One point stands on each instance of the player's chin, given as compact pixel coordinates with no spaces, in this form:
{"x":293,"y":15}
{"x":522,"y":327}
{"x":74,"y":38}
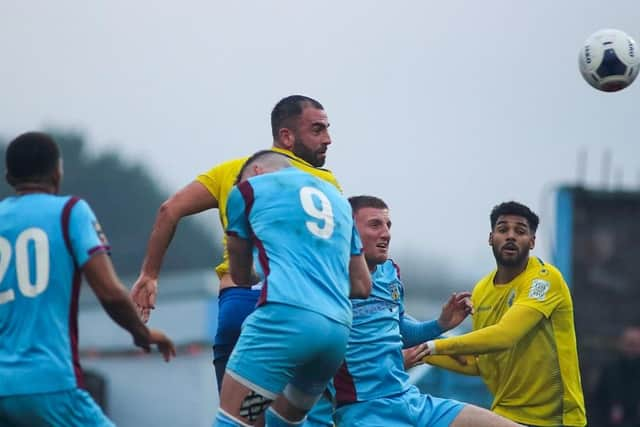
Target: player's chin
{"x":382,"y":256}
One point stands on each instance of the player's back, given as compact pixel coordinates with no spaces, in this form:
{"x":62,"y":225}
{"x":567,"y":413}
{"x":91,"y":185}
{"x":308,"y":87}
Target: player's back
{"x":374,"y":366}
{"x":303,"y":229}
{"x":39,"y":287}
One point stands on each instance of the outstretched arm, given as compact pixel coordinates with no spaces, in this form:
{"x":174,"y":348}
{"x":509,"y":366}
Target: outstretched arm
{"x":515,"y":324}
{"x":193,"y":198}
{"x":466,"y":365}
{"x":454,"y":311}
{"x":116,"y":302}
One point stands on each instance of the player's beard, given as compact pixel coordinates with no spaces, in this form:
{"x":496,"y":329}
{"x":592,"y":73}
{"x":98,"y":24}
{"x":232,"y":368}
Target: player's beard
{"x":306,"y":154}
{"x":510,"y":262}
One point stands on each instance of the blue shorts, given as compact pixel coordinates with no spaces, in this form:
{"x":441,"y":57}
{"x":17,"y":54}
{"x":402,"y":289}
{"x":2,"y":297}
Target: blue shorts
{"x":234,"y":305}
{"x":321,"y":415}
{"x":286,"y":346}
{"x":69,"y":408}
{"x":408,"y":409}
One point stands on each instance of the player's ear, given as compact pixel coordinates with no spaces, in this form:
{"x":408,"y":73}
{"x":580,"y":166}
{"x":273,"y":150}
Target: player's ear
{"x":532,"y":242}
{"x":286,"y":137}
{"x":491,"y":238}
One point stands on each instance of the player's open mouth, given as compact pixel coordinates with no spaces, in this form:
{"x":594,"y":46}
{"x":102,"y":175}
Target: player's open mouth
{"x":510,"y":249}
{"x":382,"y":245}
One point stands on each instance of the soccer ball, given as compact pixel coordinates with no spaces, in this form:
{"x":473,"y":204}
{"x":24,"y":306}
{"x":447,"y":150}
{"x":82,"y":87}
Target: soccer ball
{"x":609,"y":60}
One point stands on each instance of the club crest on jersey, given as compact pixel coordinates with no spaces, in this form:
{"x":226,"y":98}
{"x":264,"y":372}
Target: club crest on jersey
{"x":394,"y":290}
{"x":512,"y":296}
{"x":103,"y":237}
{"x":539,"y":289}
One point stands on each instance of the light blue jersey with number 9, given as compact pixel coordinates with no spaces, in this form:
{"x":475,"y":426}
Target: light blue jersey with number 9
{"x":44,"y":241}
{"x":303,"y":230}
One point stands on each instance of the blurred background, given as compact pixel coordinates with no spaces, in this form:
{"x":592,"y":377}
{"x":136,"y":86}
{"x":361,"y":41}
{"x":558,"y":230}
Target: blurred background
{"x":443,"y":110}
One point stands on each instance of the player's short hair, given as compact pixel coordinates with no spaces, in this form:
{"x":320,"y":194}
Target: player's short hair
{"x":514,"y":208}
{"x":259,"y":156}
{"x":288,"y":109}
{"x":31,"y":157}
{"x":359,"y":202}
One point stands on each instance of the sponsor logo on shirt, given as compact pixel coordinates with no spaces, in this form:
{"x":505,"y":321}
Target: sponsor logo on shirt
{"x":539,"y":289}
{"x":394,"y":290}
{"x":103,"y":237}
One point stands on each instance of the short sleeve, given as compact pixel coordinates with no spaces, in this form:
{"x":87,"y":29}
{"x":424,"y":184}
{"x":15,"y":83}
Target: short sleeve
{"x":85,"y":233}
{"x":237,"y":215}
{"x":543,"y":293}
{"x":356,"y":243}
{"x":216,"y":178}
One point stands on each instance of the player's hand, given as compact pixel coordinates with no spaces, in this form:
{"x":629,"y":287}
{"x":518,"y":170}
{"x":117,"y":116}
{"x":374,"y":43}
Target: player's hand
{"x":165,"y":345}
{"x":144,"y":293}
{"x":413,"y":356}
{"x":455,"y":310}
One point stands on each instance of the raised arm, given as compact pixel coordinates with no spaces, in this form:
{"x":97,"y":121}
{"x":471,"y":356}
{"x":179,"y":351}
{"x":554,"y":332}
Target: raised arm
{"x":193,"y":198}
{"x":115,"y":300}
{"x":360,"y":277}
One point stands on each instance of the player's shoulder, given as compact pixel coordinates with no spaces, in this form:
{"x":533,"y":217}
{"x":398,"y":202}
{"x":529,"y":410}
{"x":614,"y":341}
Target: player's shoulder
{"x":540,"y":269}
{"x":228,"y":166}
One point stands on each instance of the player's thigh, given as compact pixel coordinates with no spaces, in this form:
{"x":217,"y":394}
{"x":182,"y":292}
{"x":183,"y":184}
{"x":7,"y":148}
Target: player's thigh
{"x":390,"y":412}
{"x":72,"y":408}
{"x":474,"y":416}
{"x":280,"y":343}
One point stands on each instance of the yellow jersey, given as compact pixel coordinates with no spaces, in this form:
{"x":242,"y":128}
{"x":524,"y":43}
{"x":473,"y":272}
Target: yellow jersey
{"x":536,"y":381}
{"x":221,"y":178}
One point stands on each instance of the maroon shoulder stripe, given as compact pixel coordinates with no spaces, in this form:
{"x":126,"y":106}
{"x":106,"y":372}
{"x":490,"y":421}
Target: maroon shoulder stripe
{"x":75,"y":292}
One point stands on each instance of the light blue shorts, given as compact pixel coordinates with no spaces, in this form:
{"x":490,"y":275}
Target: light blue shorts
{"x":68,"y":408}
{"x":282,"y":346}
{"x":409,"y":409}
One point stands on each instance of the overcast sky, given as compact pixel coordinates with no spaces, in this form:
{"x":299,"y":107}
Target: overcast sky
{"x":442,"y":108}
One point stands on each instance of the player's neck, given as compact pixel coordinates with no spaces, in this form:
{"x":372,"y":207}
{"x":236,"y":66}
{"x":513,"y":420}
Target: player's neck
{"x":33,"y":188}
{"x":506,"y":273}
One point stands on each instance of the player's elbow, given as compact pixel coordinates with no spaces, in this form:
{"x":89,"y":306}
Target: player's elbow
{"x":168,"y":213}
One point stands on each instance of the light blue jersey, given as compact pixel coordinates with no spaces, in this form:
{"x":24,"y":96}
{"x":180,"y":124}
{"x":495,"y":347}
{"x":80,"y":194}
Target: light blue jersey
{"x":373,"y":365}
{"x":44,"y":241}
{"x":303,"y":230}
{"x":372,"y":388}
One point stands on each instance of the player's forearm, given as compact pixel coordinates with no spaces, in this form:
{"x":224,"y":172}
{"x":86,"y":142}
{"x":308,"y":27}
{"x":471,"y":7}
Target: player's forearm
{"x":122,"y":311}
{"x":470,"y":367}
{"x":415,"y":332}
{"x":161,"y":235}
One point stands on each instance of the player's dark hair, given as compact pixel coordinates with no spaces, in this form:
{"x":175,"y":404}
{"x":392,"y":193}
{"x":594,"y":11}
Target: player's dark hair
{"x":514,"y":208}
{"x":359,"y":202}
{"x":256,"y":156}
{"x":288,"y":109}
{"x":31,"y":157}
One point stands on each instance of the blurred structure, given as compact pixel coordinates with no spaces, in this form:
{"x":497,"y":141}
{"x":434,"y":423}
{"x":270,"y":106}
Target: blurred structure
{"x":597,"y":233}
{"x":617,"y":394}
{"x":137,"y":389}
